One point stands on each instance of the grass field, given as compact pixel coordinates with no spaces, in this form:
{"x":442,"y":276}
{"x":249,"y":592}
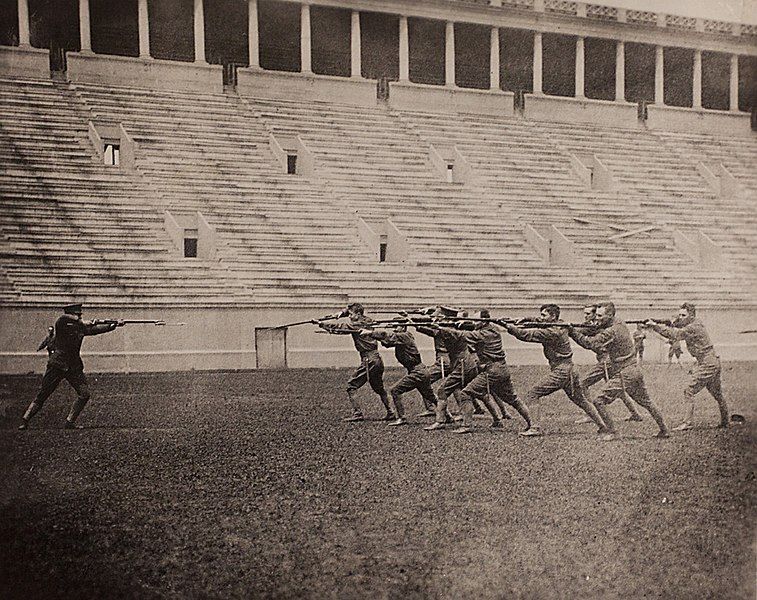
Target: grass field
{"x":248,"y":485}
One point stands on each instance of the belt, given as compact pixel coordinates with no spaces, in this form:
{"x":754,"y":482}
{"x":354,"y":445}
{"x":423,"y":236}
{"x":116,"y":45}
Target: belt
{"x":621,"y":359}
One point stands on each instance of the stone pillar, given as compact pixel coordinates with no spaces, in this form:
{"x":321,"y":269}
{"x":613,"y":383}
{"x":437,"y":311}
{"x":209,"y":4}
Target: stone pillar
{"x":580,"y":66}
{"x":620,"y":72}
{"x":494,"y":59}
{"x":355,"y":46}
{"x":404,"y":51}
{"x":734,"y":84}
{"x":199,"y":25}
{"x":696,"y":93}
{"x":305,"y":40}
{"x":84,"y":33}
{"x":143,"y":19}
{"x":659,"y":76}
{"x":537,"y":62}
{"x":23,"y":24}
{"x":253,"y":34}
{"x":449,"y":54}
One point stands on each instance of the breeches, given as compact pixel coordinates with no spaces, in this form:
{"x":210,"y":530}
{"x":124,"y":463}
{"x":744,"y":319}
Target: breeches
{"x":53,"y":376}
{"x":629,"y":380}
{"x":705,"y":374}
{"x":439,"y":369}
{"x":561,"y":377}
{"x":595,"y":375}
{"x":416,"y":379}
{"x":494,"y":380}
{"x":370,"y":371}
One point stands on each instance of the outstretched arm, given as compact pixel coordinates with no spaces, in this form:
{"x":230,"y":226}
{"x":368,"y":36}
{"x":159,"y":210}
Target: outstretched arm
{"x":595,"y":343}
{"x":539,"y":335}
{"x":672,"y":333}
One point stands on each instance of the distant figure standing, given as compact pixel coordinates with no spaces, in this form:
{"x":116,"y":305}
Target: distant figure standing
{"x":675,"y":350}
{"x":638,"y":343}
{"x":64,"y":349}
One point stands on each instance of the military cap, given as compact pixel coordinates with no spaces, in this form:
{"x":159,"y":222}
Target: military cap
{"x":72,"y":309}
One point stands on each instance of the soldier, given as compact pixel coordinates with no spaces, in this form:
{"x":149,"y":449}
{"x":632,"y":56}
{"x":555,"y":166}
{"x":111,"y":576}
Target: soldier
{"x":493,"y":378}
{"x":625,"y":376}
{"x":600,"y":371}
{"x":706,"y":371}
{"x":371,"y":369}
{"x":638,"y":343}
{"x":64,"y":362}
{"x":418,"y":374}
{"x":464,"y":368}
{"x":557,"y":351}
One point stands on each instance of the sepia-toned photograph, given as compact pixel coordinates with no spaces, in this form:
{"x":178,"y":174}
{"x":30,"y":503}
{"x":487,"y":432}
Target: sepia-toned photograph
{"x":378,"y":299}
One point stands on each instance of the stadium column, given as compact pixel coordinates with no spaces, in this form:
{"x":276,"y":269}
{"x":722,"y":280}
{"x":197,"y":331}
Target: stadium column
{"x":580,"y":66}
{"x":355,"y":61}
{"x":199,"y":27}
{"x":659,"y":76}
{"x":449,"y":54}
{"x":620,"y":71}
{"x":23,"y":24}
{"x":143,"y":20}
{"x":85,"y":39}
{"x":494,"y":59}
{"x":305,"y":41}
{"x":537,"y":61}
{"x":696,"y":93}
{"x":404,"y":50}
{"x":253,"y":34}
{"x":734,"y":87}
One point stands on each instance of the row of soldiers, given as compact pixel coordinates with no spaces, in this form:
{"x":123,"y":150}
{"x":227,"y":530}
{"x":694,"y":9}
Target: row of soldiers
{"x":471,"y":361}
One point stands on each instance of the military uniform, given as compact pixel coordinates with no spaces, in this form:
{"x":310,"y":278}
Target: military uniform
{"x":64,"y":361}
{"x":706,"y":372}
{"x":493,"y":377}
{"x":562,"y":376}
{"x":371,"y":369}
{"x":624,"y":374}
{"x":418,"y":374}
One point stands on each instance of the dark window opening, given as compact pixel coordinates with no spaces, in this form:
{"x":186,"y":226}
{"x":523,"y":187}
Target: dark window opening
{"x":747,"y":83}
{"x":516,"y":60}
{"x":379,"y":45}
{"x":226,"y":32}
{"x":599,"y":78}
{"x":331,"y":41}
{"x":678,"y":74}
{"x":450,"y":172}
{"x":172,"y":29}
{"x":279,"y":24}
{"x":9,"y":23}
{"x":114,"y":27}
{"x":472,"y":53}
{"x":382,"y":248}
{"x":54,"y":24}
{"x":716,"y":77}
{"x":559,"y":58}
{"x":291,"y":164}
{"x":640,"y":67}
{"x":426,"y":51}
{"x":112,"y":154}
{"x":190,"y":243}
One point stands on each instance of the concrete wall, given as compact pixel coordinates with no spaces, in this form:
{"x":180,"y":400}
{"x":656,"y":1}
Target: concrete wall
{"x":31,"y":63}
{"x":224,"y":339}
{"x":689,"y":120}
{"x":574,"y":110}
{"x":150,"y":73}
{"x":325,"y":88}
{"x":437,"y":98}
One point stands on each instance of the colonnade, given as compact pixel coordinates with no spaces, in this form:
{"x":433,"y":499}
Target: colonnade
{"x":404,"y":52}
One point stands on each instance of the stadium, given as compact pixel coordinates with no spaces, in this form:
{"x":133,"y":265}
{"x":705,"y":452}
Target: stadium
{"x":229,"y":166}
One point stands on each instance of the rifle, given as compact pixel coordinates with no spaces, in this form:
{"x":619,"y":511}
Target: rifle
{"x":333,"y":317}
{"x":666,"y":322}
{"x":135,"y":322}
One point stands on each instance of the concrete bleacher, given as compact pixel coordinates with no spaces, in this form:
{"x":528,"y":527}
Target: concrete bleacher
{"x":525,"y":167}
{"x":76,"y":227}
